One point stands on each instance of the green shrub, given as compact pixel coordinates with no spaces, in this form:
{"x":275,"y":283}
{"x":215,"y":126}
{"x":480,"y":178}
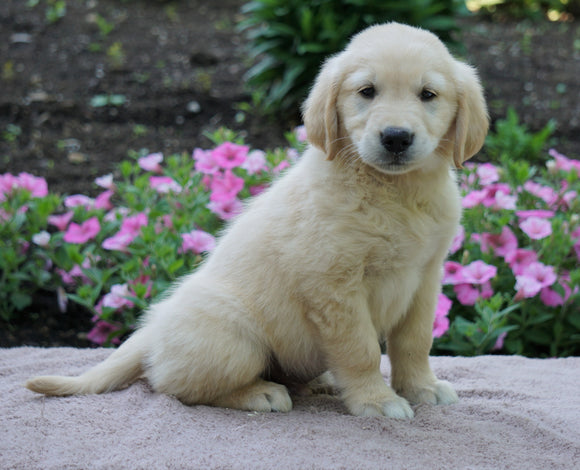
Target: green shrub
{"x":514,"y":139}
{"x":289,"y":39}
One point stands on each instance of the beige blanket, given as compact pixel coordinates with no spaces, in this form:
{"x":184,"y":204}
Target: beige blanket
{"x":514,"y":413}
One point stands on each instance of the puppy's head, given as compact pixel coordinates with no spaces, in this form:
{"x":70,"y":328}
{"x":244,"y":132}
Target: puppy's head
{"x":398,"y":100}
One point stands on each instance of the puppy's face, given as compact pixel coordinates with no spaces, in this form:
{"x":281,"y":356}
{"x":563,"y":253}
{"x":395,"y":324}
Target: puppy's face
{"x":396,"y":99}
{"x":397,"y":104}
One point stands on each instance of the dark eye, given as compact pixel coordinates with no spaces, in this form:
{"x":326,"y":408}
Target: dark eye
{"x":427,"y":95}
{"x":368,"y":92}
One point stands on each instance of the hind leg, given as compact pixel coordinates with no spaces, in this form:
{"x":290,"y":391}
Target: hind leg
{"x":204,"y":357}
{"x":258,"y":396}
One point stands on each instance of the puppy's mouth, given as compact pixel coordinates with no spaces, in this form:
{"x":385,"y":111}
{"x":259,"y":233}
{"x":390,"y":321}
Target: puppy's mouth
{"x":394,"y":163}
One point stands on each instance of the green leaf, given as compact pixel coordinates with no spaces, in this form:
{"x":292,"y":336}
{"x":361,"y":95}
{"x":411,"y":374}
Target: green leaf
{"x":20,"y":300}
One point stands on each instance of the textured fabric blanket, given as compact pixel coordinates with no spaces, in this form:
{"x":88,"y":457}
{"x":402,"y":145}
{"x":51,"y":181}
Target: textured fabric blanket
{"x":513,"y":413}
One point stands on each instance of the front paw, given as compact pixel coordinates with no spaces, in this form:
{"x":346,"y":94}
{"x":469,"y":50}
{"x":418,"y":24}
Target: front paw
{"x":439,"y":393}
{"x":397,"y":408}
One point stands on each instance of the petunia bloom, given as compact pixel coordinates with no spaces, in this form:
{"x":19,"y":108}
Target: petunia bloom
{"x":225,"y":187}
{"x":501,"y":244}
{"x":61,"y":221}
{"x":255,"y":162}
{"x":36,"y":185}
{"x":101,"y":332}
{"x":205,"y":162}
{"x":229,"y":155}
{"x":77,"y":200}
{"x":105,"y":181}
{"x":441,"y":322}
{"x":164,"y":184}
{"x":197,"y":241}
{"x":151,"y":162}
{"x":520,"y":259}
{"x":536,"y":228}
{"x":226,"y":209}
{"x":84,"y":232}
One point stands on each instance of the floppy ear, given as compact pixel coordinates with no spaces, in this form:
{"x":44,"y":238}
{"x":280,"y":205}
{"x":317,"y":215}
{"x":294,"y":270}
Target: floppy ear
{"x":320,"y":113}
{"x":471,"y":121}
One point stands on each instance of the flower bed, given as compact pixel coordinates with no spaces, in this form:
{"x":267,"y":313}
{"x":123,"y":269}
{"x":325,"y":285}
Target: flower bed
{"x":511,"y":283}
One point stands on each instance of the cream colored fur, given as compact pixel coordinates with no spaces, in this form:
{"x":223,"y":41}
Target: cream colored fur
{"x":343,"y":250}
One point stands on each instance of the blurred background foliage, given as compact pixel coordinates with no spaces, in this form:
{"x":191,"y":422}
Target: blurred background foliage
{"x":289,"y":39}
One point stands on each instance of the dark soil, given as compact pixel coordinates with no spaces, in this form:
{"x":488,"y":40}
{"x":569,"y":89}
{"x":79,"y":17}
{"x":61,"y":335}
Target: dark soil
{"x":178,"y":68}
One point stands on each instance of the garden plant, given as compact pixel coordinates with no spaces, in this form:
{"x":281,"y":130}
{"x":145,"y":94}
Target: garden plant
{"x":511,"y":284}
{"x":289,"y":39}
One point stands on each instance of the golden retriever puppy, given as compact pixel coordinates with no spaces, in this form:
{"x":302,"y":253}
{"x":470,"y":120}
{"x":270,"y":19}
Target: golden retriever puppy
{"x":343,"y":250}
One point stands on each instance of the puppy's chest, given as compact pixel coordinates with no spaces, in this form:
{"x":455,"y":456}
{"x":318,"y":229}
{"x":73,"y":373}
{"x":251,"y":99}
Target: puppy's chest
{"x":405,"y":237}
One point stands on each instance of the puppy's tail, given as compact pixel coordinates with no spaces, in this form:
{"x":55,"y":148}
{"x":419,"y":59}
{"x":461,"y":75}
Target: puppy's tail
{"x":121,"y":368}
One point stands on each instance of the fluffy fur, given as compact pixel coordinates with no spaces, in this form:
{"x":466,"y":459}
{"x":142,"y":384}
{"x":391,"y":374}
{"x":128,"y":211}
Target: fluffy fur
{"x":344,"y":250}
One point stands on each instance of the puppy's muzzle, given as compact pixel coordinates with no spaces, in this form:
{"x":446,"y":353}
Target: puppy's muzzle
{"x":396,"y":140}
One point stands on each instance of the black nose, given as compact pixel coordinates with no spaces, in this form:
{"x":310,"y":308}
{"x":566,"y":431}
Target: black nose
{"x":396,"y":139}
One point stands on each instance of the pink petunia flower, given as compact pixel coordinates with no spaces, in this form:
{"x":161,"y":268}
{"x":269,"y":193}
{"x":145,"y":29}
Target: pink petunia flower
{"x":130,"y":228}
{"x":105,"y":181}
{"x":164,"y":184}
{"x":36,"y":185}
{"x":504,"y":201}
{"x":292,"y":155}
{"x":255,"y":162}
{"x":103,"y":200}
{"x":501,"y":244}
{"x":533,"y":279}
{"x":151,"y":162}
{"x":492,"y":191}
{"x":163,"y":222}
{"x":82,"y":233}
{"x":567,"y":199}
{"x":300,"y":132}
{"x":226,"y":209}
{"x":452,"y":273}
{"x":473,"y":198}
{"x":487,"y":174}
{"x":118,"y":242}
{"x":8,"y":183}
{"x":205,"y":162}
{"x":77,"y":200}
{"x":197,"y":241}
{"x":281,"y":167}
{"x":545,"y":275}
{"x":258,"y":189}
{"x":134,"y":223}
{"x":61,"y":221}
{"x":536,"y":228}
{"x":225,"y":187}
{"x":101,"y":332}
{"x":41,"y":238}
{"x":478,"y":272}
{"x":551,"y":298}
{"x":526,"y":287}
{"x":520,"y":259}
{"x":547,"y":194}
{"x":441,"y":322}
{"x":469,"y":294}
{"x":563,"y":163}
{"x":458,"y":240}
{"x":499,"y":342}
{"x":540,"y":213}
{"x":117,"y":297}
{"x":229,"y":155}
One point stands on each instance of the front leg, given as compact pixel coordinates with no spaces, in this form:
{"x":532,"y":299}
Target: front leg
{"x":350,"y":343}
{"x":408,"y":346}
